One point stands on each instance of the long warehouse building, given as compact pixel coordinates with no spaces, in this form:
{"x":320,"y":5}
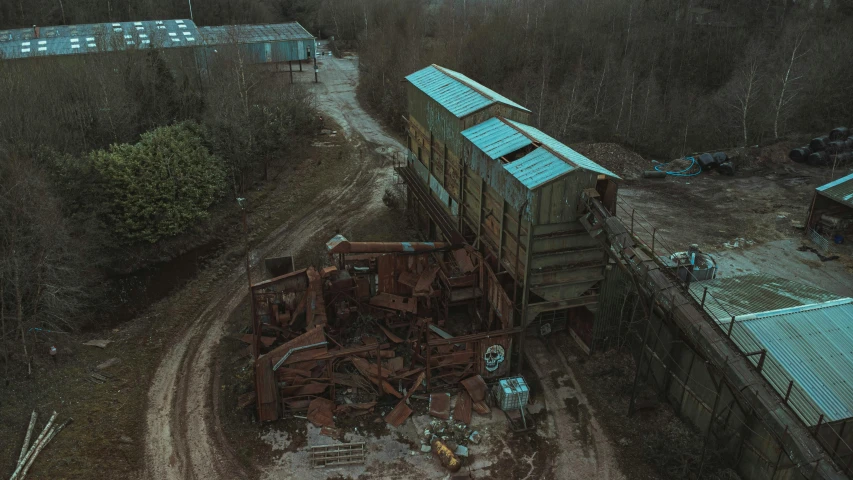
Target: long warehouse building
{"x":274,"y":43}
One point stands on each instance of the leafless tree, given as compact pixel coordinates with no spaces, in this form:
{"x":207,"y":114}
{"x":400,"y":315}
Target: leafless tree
{"x":787,"y":84}
{"x":744,"y":90}
{"x":41,"y":276}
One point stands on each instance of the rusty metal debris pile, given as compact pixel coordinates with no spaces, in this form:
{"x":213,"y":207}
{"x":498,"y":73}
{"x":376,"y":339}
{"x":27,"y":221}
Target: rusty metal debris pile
{"x":386,"y":322}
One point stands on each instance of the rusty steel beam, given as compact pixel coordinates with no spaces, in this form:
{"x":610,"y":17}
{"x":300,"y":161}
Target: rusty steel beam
{"x":345,"y":246}
{"x":473,"y":337}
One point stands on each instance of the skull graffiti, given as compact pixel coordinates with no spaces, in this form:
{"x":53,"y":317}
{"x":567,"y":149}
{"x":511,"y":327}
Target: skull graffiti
{"x":494,"y":356}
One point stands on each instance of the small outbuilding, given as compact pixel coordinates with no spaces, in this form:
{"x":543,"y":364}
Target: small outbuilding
{"x":831,"y":212}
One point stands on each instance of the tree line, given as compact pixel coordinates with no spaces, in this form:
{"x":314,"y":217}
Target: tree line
{"x":105,"y":155}
{"x":665,"y":77}
{"x":26,"y":13}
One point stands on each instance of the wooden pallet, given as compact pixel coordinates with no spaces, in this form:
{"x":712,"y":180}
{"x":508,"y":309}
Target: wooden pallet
{"x":323,"y":456}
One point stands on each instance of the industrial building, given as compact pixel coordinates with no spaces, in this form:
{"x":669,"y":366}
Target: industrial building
{"x":760,"y":365}
{"x":261,"y":44}
{"x":478,"y":173}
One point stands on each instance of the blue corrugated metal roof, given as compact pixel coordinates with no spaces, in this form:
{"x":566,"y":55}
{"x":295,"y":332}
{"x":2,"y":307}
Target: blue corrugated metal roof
{"x":457,"y":93}
{"x":277,"y":32}
{"x":573,"y":157}
{"x":754,"y":293}
{"x":840,"y":190}
{"x":495,"y":138}
{"x":807,"y":332}
{"x":814,"y":347}
{"x":538,"y":167}
{"x":97,"y":37}
{"x":119,"y":36}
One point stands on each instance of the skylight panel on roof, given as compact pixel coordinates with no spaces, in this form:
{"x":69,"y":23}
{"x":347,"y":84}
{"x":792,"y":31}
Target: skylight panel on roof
{"x":90,"y":39}
{"x":74,"y":40}
{"x":137,"y":23}
{"x":42,"y":49}
{"x":182,"y":26}
{"x":117,"y":25}
{"x":187,"y":34}
{"x":25,"y":44}
{"x":25,"y":50}
{"x":117,"y":29}
{"x":143,"y":35}
{"x":173,"y":34}
{"x":161,"y":27}
{"x":75,"y":46}
{"x":42,"y":42}
{"x":140,"y":28}
{"x":128,"y":36}
{"x":179,"y":21}
{"x":159,"y":22}
{"x":91,"y":45}
{"x":190,"y":39}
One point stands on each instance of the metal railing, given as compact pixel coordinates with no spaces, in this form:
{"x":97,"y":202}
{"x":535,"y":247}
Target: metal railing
{"x":793,"y":394}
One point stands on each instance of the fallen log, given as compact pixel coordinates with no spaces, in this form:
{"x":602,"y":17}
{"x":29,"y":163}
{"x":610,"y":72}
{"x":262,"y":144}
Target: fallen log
{"x":28,"y":437}
{"x":38,"y":441}
{"x":52,"y":434}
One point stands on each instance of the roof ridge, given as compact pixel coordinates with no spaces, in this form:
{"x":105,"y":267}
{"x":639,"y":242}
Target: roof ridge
{"x":445,"y":70}
{"x":541,"y":144}
{"x":797,"y":309}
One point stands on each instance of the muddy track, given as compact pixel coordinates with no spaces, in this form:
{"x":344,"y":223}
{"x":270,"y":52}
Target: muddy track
{"x":584,"y":449}
{"x":183,"y":434}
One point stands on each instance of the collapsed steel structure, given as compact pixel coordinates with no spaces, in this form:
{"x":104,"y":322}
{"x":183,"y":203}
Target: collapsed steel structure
{"x":385,"y":318}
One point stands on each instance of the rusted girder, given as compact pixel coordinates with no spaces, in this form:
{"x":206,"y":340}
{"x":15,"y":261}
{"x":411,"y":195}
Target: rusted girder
{"x":339,"y":244}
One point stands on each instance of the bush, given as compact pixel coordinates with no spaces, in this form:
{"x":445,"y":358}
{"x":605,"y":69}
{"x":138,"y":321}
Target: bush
{"x":158,"y":187}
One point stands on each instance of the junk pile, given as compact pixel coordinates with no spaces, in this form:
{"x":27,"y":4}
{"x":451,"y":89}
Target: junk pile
{"x":692,"y":166}
{"x":367,"y":333}
{"x":827,"y":150}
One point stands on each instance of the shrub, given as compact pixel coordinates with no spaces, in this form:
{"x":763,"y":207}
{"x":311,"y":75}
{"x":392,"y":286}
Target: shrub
{"x":158,"y":187}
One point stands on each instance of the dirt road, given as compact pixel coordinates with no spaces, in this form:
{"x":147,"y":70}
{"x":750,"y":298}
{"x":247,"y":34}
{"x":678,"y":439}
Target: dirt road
{"x":183,"y":437}
{"x":585,"y":451}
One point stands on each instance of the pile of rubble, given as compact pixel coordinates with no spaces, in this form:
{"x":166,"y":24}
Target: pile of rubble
{"x":374,"y":329}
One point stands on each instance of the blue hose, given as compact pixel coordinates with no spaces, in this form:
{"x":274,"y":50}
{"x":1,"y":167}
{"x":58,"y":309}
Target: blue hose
{"x":680,"y":173}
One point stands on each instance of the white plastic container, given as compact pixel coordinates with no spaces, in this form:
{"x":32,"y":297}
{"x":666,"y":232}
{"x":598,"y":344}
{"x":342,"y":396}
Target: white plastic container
{"x":512,"y":393}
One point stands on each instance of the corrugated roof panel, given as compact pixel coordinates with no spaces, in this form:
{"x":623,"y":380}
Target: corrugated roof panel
{"x":495,"y":138}
{"x":754,"y":293}
{"x":572,"y":156}
{"x":807,"y":332}
{"x":840,"y":190}
{"x":814,"y":347}
{"x":107,"y":37}
{"x":275,"y":32}
{"x":92,"y":38}
{"x":457,"y":93}
{"x":538,"y":167}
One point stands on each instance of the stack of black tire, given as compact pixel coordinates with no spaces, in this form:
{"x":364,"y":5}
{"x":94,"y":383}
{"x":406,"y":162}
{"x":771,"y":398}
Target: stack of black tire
{"x":718,"y":160}
{"x":833,"y":149}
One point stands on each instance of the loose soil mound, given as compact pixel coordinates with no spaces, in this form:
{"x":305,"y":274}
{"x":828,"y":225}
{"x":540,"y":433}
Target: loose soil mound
{"x":619,"y":160}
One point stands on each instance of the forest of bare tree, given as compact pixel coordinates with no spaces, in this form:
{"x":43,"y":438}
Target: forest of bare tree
{"x":665,"y":77}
